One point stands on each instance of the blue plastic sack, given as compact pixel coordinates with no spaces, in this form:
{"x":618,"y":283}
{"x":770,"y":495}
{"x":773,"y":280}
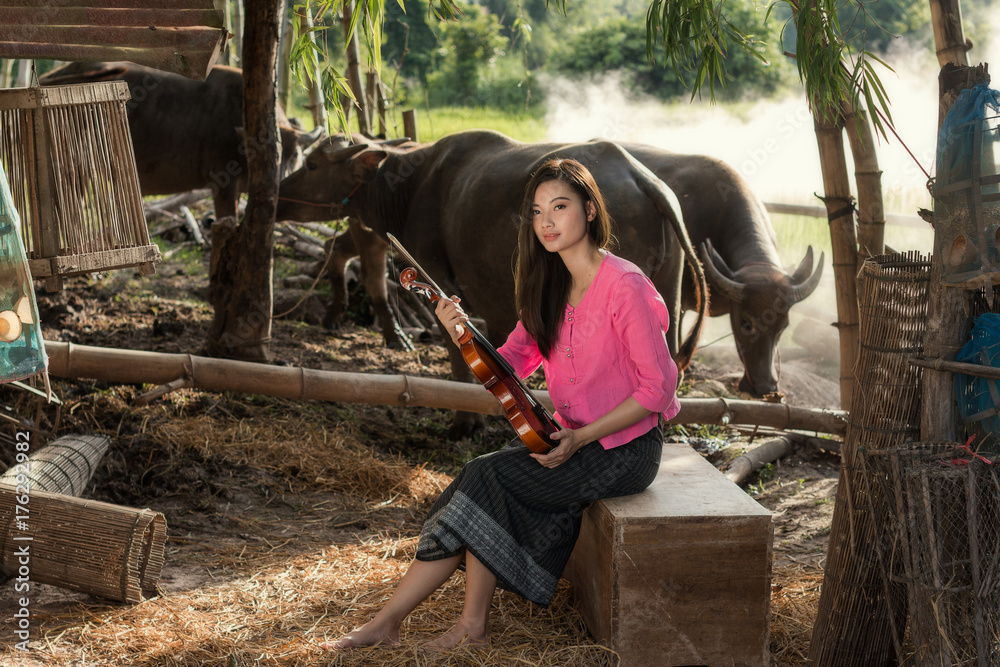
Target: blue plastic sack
{"x":979,"y":398}
{"x":22,"y":349}
{"x":956,"y":139}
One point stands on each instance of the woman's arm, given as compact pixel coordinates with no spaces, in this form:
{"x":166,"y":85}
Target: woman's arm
{"x":625,"y":414}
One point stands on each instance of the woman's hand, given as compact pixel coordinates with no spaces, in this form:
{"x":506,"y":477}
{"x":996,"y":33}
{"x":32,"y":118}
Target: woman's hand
{"x":451,"y":317}
{"x":569,"y":441}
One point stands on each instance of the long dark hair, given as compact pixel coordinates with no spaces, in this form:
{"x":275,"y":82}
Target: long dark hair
{"x":542,"y":281}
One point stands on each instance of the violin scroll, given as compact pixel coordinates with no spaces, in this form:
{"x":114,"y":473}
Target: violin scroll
{"x":408,"y":279}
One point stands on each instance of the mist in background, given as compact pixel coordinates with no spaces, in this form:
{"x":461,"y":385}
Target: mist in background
{"x":772,"y":143}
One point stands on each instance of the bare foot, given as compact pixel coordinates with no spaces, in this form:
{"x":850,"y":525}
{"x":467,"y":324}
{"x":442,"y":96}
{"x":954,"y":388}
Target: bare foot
{"x":458,"y":636}
{"x":368,"y":634}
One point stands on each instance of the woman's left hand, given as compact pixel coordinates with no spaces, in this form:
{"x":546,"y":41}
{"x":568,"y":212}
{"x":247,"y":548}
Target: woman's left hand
{"x":569,"y":441}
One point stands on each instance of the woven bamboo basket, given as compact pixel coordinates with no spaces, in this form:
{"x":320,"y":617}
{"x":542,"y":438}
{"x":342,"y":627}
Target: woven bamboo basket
{"x":97,"y":548}
{"x":69,"y":157}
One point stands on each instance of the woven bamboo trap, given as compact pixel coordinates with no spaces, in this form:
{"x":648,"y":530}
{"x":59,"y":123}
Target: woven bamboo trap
{"x":107,"y":550}
{"x":68,"y":154}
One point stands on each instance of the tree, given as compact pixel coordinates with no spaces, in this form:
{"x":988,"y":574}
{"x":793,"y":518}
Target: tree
{"x":242,"y":254}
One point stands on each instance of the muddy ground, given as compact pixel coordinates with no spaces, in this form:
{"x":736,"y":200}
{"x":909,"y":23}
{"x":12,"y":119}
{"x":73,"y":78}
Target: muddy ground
{"x":242,"y":489}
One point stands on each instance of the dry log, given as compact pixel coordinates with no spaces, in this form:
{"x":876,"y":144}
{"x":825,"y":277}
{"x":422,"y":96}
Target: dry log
{"x":192,"y":225}
{"x":97,"y":548}
{"x":317,"y":227}
{"x":772,"y":450}
{"x":183,"y":199}
{"x":68,"y":360}
{"x":304,"y":247}
{"x":300,"y":235}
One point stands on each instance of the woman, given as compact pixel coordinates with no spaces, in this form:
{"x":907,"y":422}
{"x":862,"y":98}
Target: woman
{"x":596,"y":325}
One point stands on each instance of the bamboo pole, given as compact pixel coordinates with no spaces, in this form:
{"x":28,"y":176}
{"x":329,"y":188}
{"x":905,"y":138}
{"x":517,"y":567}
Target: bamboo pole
{"x":354,"y":70}
{"x":317,"y":103}
{"x":840,"y":213}
{"x":868,"y":178}
{"x":68,"y":360}
{"x":744,"y":465}
{"x":949,"y":37}
{"x":284,"y":60}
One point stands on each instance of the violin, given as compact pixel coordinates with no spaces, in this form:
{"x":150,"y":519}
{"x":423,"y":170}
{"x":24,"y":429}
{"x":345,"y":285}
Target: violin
{"x":526,"y":414}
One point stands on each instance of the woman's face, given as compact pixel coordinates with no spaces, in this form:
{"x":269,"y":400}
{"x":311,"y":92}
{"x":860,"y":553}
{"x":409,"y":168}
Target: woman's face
{"x":559,"y":216}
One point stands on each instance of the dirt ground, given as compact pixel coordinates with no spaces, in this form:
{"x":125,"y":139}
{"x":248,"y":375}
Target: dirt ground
{"x":328,"y":498}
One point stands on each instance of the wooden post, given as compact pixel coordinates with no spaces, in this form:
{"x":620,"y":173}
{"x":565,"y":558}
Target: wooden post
{"x":410,"y":124}
{"x":947,"y":316}
{"x":840,"y":213}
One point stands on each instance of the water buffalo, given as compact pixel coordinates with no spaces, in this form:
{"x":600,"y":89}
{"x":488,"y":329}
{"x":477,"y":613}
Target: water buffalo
{"x":454,"y":205}
{"x":730,"y":226}
{"x":732,"y":229}
{"x":187,"y":134}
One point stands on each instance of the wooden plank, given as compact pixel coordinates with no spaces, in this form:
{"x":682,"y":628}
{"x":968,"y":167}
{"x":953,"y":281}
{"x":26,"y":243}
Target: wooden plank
{"x":161,"y":18}
{"x":106,"y":260}
{"x":111,"y":36}
{"x":194,"y":61}
{"x":680,"y":573}
{"x":46,"y":7}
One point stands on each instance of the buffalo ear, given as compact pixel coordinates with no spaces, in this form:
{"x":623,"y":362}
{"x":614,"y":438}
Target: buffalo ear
{"x":367,"y":163}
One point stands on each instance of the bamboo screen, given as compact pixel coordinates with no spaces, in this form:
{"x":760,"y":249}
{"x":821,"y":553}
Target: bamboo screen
{"x":854,"y":625}
{"x":940,"y":536}
{"x":64,"y":466}
{"x":97,"y":548}
{"x":69,"y":157}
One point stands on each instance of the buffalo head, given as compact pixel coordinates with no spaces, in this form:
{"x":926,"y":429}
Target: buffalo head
{"x":330,"y":176}
{"x":760,"y":296}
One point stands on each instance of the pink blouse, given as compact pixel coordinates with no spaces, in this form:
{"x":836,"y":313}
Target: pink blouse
{"x":611,"y":346}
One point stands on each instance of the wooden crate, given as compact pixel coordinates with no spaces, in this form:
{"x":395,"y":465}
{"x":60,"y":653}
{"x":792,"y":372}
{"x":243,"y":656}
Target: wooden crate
{"x":679,"y":574}
{"x":69,"y":158}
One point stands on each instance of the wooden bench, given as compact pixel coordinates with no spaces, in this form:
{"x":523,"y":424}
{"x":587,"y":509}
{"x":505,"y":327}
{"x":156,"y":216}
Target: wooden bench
{"x":680,"y":574}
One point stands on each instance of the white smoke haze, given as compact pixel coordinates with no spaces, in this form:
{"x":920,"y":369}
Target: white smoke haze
{"x":772,"y":143}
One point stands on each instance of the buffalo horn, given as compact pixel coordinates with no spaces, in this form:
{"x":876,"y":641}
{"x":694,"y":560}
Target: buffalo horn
{"x":801,"y":288}
{"x":719,"y":273}
{"x":805,"y":267}
{"x":341,"y":154}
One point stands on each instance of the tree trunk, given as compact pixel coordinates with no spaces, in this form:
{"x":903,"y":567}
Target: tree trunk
{"x":947,"y":316}
{"x":840,"y":213}
{"x":354,"y":71}
{"x":242,"y":261}
{"x":949,"y":39}
{"x":868,"y":177}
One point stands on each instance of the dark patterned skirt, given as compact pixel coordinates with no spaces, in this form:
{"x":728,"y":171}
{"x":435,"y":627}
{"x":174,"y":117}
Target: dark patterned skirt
{"x":521,"y":519}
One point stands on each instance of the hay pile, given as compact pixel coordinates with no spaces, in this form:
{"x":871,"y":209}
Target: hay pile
{"x":271,"y":603}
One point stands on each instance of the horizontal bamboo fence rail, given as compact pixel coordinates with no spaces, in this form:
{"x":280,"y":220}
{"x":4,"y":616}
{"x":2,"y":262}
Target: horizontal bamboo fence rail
{"x":68,"y":360}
